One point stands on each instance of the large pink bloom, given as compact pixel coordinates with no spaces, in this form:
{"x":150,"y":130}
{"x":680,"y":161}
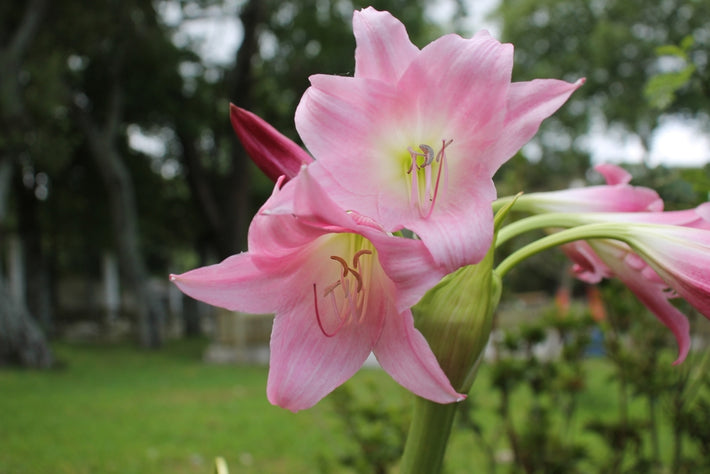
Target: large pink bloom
{"x":340,"y":287}
{"x":414,"y":138}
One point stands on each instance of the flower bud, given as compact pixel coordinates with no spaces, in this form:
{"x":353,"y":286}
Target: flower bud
{"x":456,"y":317}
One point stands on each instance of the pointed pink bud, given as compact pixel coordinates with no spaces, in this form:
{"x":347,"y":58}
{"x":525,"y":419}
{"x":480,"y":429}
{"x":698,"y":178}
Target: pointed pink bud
{"x":274,"y":153}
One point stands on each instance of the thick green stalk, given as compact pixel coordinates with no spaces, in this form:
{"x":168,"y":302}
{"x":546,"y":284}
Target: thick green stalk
{"x":428,"y":436}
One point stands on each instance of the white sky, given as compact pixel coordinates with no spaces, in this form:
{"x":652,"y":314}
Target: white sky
{"x":675,"y":143}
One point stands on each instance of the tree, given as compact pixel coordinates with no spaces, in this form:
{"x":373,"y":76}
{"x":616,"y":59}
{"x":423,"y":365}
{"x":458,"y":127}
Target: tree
{"x":22,"y":341}
{"x":615,"y":45}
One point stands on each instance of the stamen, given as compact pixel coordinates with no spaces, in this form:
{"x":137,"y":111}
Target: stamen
{"x":359,"y":280}
{"x":439,"y":157}
{"x":356,"y":257}
{"x":426,"y":198}
{"x":320,"y":322}
{"x":352,"y":296}
{"x":342,"y":262}
{"x":428,"y":154}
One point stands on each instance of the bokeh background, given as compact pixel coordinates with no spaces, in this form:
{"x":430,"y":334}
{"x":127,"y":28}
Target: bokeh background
{"x":118,"y":166}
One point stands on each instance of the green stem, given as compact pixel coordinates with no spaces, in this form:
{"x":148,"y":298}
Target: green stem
{"x":428,"y":436}
{"x":583,"y":232}
{"x":541,"y":221}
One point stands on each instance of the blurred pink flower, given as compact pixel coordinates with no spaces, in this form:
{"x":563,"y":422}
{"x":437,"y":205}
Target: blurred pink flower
{"x":617,"y":195}
{"x":340,"y":287}
{"x":670,"y":255}
{"x":414,"y":138}
{"x":274,"y":154}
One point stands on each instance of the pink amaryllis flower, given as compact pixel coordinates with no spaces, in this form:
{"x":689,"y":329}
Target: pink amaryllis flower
{"x":275,"y":154}
{"x":652,"y":268}
{"x":666,"y":254}
{"x":340,"y":287}
{"x":414,"y":138}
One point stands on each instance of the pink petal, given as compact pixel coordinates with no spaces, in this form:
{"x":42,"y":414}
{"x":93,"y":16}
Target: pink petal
{"x":588,"y":267}
{"x":272,"y":152}
{"x":459,"y":85}
{"x":404,"y":353}
{"x":460,"y":230}
{"x":410,"y":266}
{"x":305,"y":365}
{"x":235,"y":283}
{"x":383,"y":47}
{"x":681,"y":257}
{"x":619,"y":198}
{"x":528,"y":104}
{"x":613,"y":174}
{"x":340,"y":119}
{"x":652,"y":294}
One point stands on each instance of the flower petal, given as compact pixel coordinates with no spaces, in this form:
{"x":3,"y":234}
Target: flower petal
{"x":681,"y":257}
{"x":528,"y":104}
{"x":652,"y":294}
{"x":404,"y":353}
{"x":460,"y":231}
{"x":235,"y":284}
{"x":459,"y":85}
{"x":383,"y":48}
{"x":613,"y":174}
{"x":305,"y":365}
{"x":271,"y":151}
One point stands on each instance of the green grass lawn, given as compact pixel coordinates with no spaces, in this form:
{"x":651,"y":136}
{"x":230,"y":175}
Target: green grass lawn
{"x":117,"y":409}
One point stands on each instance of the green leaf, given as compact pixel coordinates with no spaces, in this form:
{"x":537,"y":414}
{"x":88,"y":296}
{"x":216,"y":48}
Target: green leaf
{"x":660,"y":89}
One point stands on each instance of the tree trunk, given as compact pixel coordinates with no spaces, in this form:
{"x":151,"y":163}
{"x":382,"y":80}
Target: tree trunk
{"x":21,"y":340}
{"x":240,"y":87}
{"x":227,"y":218}
{"x":37,"y":276}
{"x":124,"y":216}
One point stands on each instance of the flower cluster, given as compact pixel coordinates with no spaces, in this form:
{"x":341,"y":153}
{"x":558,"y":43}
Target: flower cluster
{"x":395,"y":197}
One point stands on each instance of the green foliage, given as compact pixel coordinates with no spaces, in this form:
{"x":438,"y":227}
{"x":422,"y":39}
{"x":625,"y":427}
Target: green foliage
{"x":375,"y":424}
{"x":662,"y":87}
{"x":615,"y":44}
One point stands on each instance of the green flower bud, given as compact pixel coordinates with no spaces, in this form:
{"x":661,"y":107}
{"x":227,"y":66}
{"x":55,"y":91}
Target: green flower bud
{"x":456,"y":317}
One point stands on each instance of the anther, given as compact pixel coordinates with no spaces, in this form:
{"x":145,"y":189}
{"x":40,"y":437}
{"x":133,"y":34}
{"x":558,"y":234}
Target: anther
{"x":342,"y":262}
{"x":428,"y":155}
{"x":426,"y":197}
{"x":356,"y":257}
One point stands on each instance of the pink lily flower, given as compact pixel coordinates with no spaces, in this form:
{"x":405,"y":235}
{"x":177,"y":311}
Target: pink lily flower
{"x":275,"y":154}
{"x":340,"y":287}
{"x":414,"y":138}
{"x":659,"y":266}
{"x":668,"y":256}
